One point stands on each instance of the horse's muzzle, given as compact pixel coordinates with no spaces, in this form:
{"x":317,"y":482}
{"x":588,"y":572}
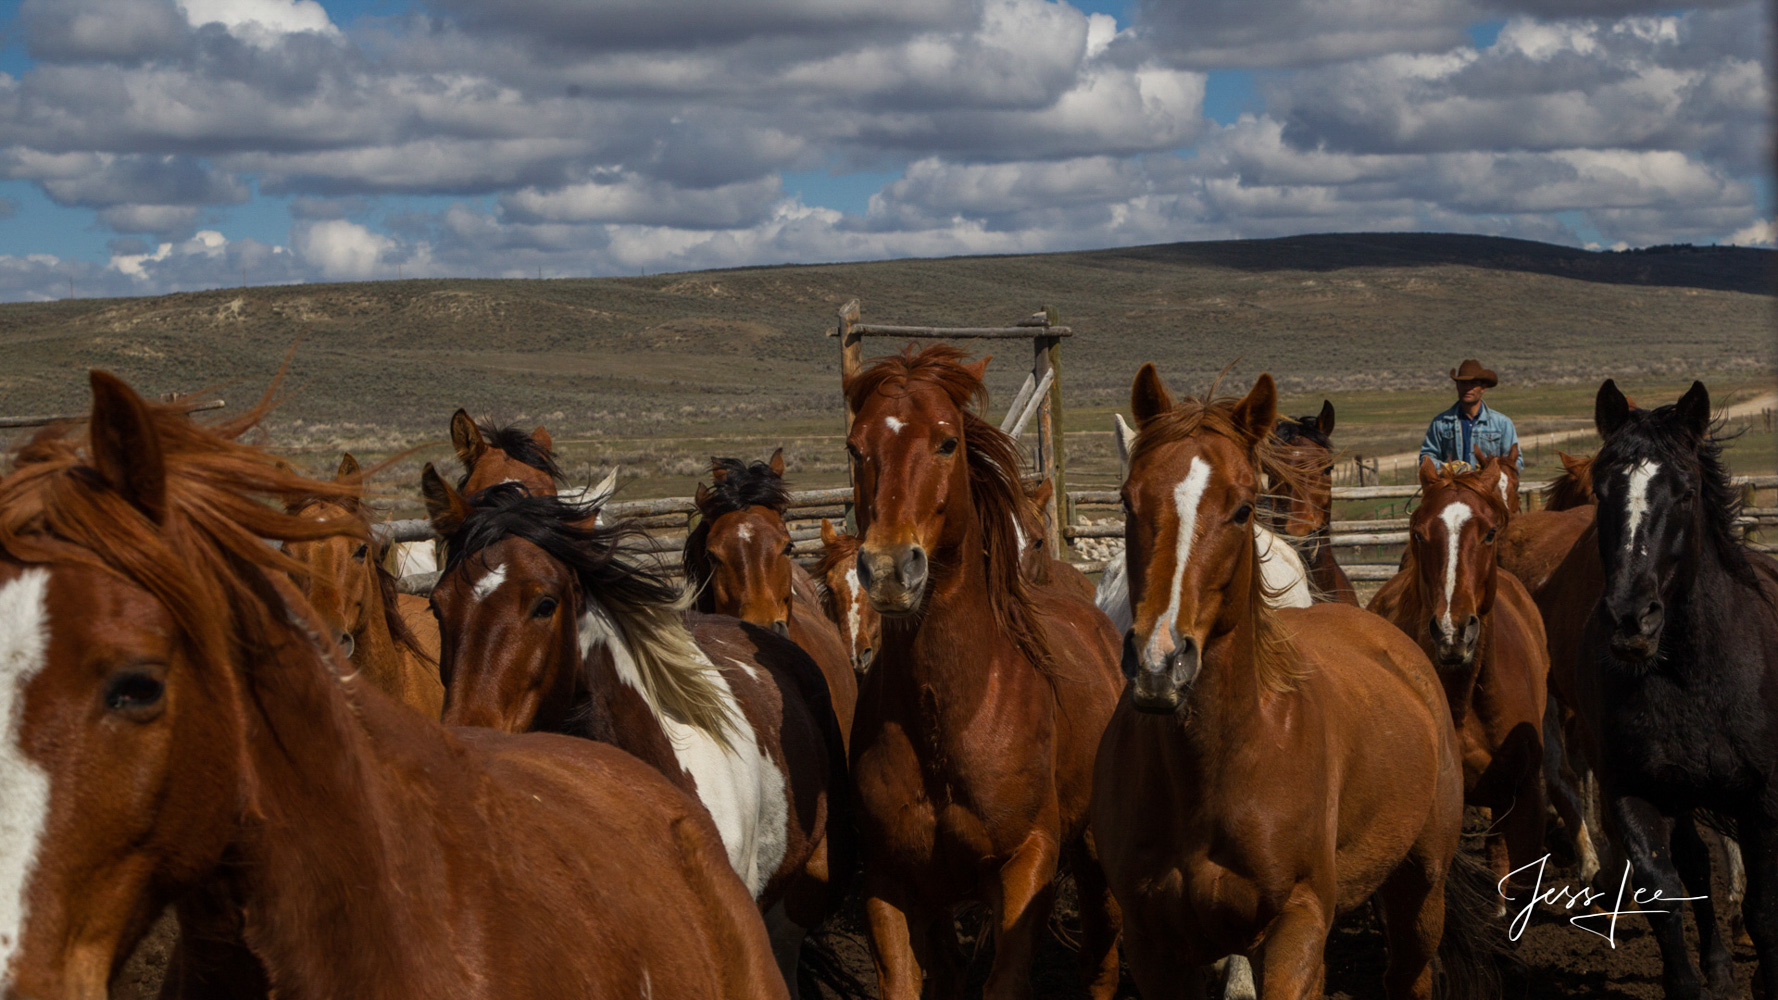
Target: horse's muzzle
{"x":1161,"y":680}
{"x":1455,"y":652}
{"x":894,"y":578}
{"x":1636,"y":635}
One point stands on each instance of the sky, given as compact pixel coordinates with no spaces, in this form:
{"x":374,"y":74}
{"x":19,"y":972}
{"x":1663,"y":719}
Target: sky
{"x":149,"y":146}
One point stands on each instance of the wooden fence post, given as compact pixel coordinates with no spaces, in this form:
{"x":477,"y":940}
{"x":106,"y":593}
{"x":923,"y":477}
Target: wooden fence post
{"x":1060,"y":509}
{"x":851,"y":360}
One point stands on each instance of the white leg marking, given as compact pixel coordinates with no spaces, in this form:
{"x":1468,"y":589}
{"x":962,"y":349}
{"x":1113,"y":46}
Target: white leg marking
{"x":1636,"y":504}
{"x":490,"y":582}
{"x":24,"y":785}
{"x":1454,"y":516}
{"x":742,"y":789}
{"x":893,"y":424}
{"x":1186,"y":498}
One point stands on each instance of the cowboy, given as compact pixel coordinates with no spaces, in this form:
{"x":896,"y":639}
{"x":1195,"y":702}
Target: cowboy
{"x":1469,"y":426}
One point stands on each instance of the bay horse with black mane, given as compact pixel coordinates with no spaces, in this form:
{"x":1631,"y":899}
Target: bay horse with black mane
{"x":1482,"y":631}
{"x":492,"y":454}
{"x":547,"y":624}
{"x":1677,"y":679}
{"x":1268,"y":768}
{"x":172,"y":714}
{"x":739,"y":561}
{"x":973,"y":745}
{"x":1300,"y":507}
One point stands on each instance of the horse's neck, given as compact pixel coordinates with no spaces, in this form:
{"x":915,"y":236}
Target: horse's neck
{"x":1223,"y":708}
{"x":376,"y":649}
{"x":1710,"y":612}
{"x":1460,"y":685}
{"x":924,"y":650}
{"x":333,"y":820}
{"x":610,"y":705}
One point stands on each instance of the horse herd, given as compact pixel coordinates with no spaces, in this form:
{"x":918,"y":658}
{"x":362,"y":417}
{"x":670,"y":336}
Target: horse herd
{"x":568,"y":773}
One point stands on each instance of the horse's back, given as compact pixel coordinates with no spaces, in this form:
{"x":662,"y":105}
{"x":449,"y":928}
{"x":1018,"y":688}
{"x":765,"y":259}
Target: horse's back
{"x":1521,"y":644}
{"x":1533,"y":544}
{"x":668,"y":910}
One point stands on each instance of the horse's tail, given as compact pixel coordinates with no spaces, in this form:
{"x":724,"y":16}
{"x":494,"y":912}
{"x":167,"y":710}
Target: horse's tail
{"x":1474,"y":945}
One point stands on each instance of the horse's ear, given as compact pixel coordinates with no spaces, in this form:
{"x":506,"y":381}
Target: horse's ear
{"x":1148,"y":395}
{"x":1257,"y":411}
{"x":445,"y":507}
{"x":1610,"y":409}
{"x":1428,"y":472}
{"x":543,"y":439}
{"x":829,"y":537}
{"x":1125,"y":435}
{"x":125,"y":447}
{"x":980,"y":368}
{"x":703,"y":495}
{"x":1041,"y":493}
{"x":1325,"y":422}
{"x":777,"y":463}
{"x":1572,"y":464}
{"x":348,"y":470}
{"x":717,"y":472}
{"x":1694,"y":410}
{"x":466,"y":438}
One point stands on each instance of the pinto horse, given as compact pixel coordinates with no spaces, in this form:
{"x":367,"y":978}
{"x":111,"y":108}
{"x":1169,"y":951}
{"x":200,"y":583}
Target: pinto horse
{"x":172,"y":713}
{"x":973,"y":746}
{"x":1268,"y":768}
{"x":355,"y":599}
{"x":739,"y":561}
{"x":546,"y":625}
{"x":1482,"y":631}
{"x":1301,"y":506}
{"x":1677,"y":678}
{"x":844,"y":601}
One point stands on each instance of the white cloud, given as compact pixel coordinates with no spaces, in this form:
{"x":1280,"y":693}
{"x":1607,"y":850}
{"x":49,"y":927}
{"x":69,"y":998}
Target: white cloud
{"x":260,"y":22}
{"x":343,"y":250}
{"x":1763,"y":233}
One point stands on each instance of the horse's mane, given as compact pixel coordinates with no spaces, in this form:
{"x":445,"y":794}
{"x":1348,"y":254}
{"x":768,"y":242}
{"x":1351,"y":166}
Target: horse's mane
{"x":1468,"y":478}
{"x":740,"y":486}
{"x":399,"y":630}
{"x":1275,"y":663}
{"x":205,"y":559}
{"x":1291,"y":430}
{"x":995,"y":490}
{"x":645,"y":604}
{"x":1573,"y":488}
{"x":520,"y":446}
{"x":1658,"y":434}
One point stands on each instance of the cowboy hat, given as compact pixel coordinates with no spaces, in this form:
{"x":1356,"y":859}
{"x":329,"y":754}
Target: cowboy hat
{"x":1472,"y":371}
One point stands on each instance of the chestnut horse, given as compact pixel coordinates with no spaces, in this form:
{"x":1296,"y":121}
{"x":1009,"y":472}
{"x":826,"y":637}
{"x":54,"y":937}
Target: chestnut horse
{"x":1268,"y":768}
{"x":1484,"y":634}
{"x":844,"y":601}
{"x":503,"y":454}
{"x":356,"y":601}
{"x":1300,"y":507}
{"x":172,"y":713}
{"x":547,"y":625}
{"x":973,"y":746}
{"x":739,"y":560}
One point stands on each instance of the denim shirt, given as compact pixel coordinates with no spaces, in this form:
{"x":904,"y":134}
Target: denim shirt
{"x":1493,"y":434}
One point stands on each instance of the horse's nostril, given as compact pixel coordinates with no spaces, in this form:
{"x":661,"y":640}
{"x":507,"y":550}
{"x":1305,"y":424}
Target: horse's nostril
{"x":781,"y":628}
{"x":346,"y":644}
{"x":913,"y":567}
{"x":863,"y":572}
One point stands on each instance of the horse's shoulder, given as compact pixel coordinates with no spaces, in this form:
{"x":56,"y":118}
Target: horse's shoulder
{"x":1351,"y":647}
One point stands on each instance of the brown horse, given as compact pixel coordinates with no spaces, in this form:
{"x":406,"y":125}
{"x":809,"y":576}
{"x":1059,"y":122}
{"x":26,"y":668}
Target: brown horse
{"x":972,"y":750}
{"x":1481,"y":629}
{"x":739,"y":561}
{"x":493,"y":454}
{"x":844,"y":601}
{"x":173,"y":713}
{"x":1300,"y":507}
{"x":548,"y":625}
{"x":356,"y":601}
{"x":1268,"y":768}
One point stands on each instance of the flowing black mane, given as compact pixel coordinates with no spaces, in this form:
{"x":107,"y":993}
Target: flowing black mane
{"x":520,"y":446}
{"x":741,"y":485}
{"x":565,"y":531}
{"x":1660,"y":435}
{"x":1290,"y":430}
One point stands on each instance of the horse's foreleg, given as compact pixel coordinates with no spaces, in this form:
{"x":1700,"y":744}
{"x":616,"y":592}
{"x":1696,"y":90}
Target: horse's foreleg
{"x":1759,"y":845}
{"x":1564,"y":791}
{"x":1021,"y":897}
{"x":1692,"y":858}
{"x":1647,"y":838}
{"x":898,"y":970}
{"x":1731,"y":848}
{"x":1099,"y":921}
{"x":1412,"y":906}
{"x":1294,"y":954}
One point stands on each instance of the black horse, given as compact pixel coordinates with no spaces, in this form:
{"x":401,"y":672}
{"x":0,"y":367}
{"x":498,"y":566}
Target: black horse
{"x":1678,"y":680}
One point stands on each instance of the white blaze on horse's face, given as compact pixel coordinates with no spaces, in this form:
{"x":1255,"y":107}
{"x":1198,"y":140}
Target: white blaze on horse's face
{"x":1455,"y":515}
{"x":1506,"y":496}
{"x":854,"y":595}
{"x":893,"y":424}
{"x":1187,"y":496}
{"x":24,"y":785}
{"x":490,"y":581}
{"x":1636,"y":501}
{"x":744,"y":532}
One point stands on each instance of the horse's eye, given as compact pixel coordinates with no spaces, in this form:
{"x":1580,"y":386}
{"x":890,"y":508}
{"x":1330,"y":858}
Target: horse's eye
{"x":546,"y":606}
{"x":1489,"y":537}
{"x":948,"y":447}
{"x":1243,"y":513}
{"x":852,"y":450}
{"x":1327,"y":471}
{"x":790,"y":548}
{"x":134,"y":694}
{"x":360,"y":552}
